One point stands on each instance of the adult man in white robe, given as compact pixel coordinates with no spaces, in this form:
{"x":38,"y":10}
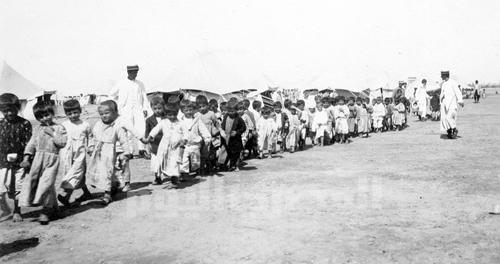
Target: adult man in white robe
{"x":133,"y":104}
{"x":451,"y":98}
{"x":421,"y":97}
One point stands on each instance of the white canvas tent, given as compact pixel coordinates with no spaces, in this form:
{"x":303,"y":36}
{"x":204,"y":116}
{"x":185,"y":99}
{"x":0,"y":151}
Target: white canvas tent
{"x":13,"y":82}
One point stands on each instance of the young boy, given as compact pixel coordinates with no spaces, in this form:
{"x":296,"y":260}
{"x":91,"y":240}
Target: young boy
{"x":341,"y":125}
{"x":328,"y":107}
{"x":42,"y":157}
{"x":104,"y":155}
{"x":378,"y":115}
{"x":208,"y":149}
{"x":73,"y":156}
{"x":351,"y":120}
{"x":15,"y":134}
{"x":231,"y":130}
{"x":158,"y":107}
{"x":320,"y":124}
{"x":304,"y":120}
{"x":172,"y":144}
{"x":282,"y":129}
{"x":293,"y":134}
{"x":197,"y":135}
{"x":389,"y":107}
{"x":362,"y":118}
{"x":250,"y":128}
{"x":266,"y":128}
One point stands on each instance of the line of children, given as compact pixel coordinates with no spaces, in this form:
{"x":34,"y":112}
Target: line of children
{"x":198,"y":139}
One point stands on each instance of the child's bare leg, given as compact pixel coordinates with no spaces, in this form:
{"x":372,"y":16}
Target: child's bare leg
{"x":16,"y":217}
{"x":320,"y":141}
{"x":4,"y":207}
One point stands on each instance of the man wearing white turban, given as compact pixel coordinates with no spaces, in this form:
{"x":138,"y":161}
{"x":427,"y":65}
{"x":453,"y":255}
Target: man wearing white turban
{"x":130,"y":95}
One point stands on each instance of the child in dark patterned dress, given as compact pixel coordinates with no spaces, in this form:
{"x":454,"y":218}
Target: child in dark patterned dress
{"x":16,"y":133}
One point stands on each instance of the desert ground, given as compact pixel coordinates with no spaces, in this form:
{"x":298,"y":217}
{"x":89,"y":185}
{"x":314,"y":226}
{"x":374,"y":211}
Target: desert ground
{"x":396,"y":197}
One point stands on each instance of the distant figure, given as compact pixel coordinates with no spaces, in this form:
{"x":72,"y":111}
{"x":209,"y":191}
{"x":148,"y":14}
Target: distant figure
{"x":450,"y":99}
{"x":477,"y":89}
{"x":130,"y":95}
{"x":484,"y":93}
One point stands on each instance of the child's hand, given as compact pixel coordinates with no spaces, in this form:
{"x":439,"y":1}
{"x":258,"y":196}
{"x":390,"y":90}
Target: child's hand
{"x":25,"y":164}
{"x":144,"y":140}
{"x":49,"y":131}
{"x":233,"y":133}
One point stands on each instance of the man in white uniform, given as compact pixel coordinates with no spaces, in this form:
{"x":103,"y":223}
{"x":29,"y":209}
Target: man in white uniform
{"x":133,"y":104}
{"x":451,"y":98}
{"x":421,"y":98}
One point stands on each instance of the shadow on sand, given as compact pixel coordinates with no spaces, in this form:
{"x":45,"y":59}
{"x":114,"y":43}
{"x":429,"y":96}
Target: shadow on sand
{"x":18,"y":245}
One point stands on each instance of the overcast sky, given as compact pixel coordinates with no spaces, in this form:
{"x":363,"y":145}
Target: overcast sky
{"x":75,"y":45}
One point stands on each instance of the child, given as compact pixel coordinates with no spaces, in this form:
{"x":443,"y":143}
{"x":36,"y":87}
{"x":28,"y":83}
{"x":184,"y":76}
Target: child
{"x":328,"y":107}
{"x":435,"y":107}
{"x":266,"y":128}
{"x":197,"y":135}
{"x":208,"y":149}
{"x":362,"y":118}
{"x":398,"y":114}
{"x":282,"y":129}
{"x":310,"y":118}
{"x":341,"y":125}
{"x":351,"y":121}
{"x":256,"y":109}
{"x":369,"y":109}
{"x":250,"y":128}
{"x":43,"y":149}
{"x":107,"y":132}
{"x":158,"y":107}
{"x":320,"y":124}
{"x":73,"y":156}
{"x":16,"y":133}
{"x":171,"y":147}
{"x":378,"y":115}
{"x":293,"y":134}
{"x":232,"y":129}
{"x":304,"y":120}
{"x":389,"y":107}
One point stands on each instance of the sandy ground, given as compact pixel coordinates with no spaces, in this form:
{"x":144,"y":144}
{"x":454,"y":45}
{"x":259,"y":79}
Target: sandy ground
{"x":396,"y":197}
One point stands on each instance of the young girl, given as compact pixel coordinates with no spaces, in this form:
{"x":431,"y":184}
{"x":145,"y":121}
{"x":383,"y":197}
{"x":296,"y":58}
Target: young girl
{"x":173,"y":141}
{"x":266,"y":128}
{"x":389,"y":106}
{"x":43,"y":148}
{"x":73,"y":156}
{"x":341,"y":125}
{"x":398,"y":114}
{"x":158,"y":107}
{"x":232,"y":129}
{"x":16,"y":133}
{"x":320,"y":124}
{"x":104,"y":156}
{"x":197,"y":135}
{"x":362,"y":118}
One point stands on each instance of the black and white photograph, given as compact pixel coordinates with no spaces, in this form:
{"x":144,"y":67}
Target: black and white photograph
{"x":249,"y":131}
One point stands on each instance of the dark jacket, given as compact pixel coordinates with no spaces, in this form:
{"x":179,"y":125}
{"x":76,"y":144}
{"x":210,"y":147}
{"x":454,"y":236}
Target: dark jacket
{"x":151,"y":122}
{"x":235,"y":144}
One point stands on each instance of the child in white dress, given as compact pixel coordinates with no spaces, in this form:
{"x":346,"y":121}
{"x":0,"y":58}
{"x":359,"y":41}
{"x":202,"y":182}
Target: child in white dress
{"x":73,"y":164}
